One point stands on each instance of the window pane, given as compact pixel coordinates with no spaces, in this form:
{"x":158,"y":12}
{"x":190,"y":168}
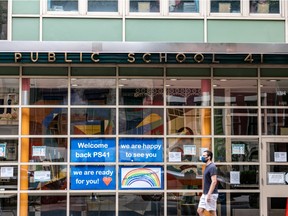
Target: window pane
{"x":62,"y":5}
{"x":239,"y":204}
{"x":236,"y":150}
{"x":235,"y":122}
{"x":8,"y":149}
{"x":48,"y":150}
{"x":3,"y":19}
{"x":264,"y":6}
{"x":184,"y":176}
{"x":188,"y":147}
{"x":133,"y":204}
{"x":187,"y":121}
{"x":235,"y":92}
{"x":93,"y":121}
{"x":274,"y":121}
{"x":48,"y":121}
{"x":103,"y":6}
{"x":47,"y":91}
{"x":141,"y":121}
{"x":144,"y":6}
{"x":243,"y":176}
{"x":225,"y":6}
{"x":183,"y":204}
{"x":44,"y":177}
{"x":93,"y":204}
{"x":145,"y":92}
{"x":188,"y":92}
{"x":48,"y":204}
{"x":277,"y":206}
{"x":183,"y":6}
{"x":274,"y":92}
{"x":8,"y":204}
{"x":93,"y":91}
{"x":9,"y":177}
{"x":276,"y":152}
{"x":140,"y":92}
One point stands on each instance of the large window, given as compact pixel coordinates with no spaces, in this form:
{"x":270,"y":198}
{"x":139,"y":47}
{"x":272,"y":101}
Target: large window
{"x":145,"y":6}
{"x":162,"y":8}
{"x":225,"y":6}
{"x":102,"y":6}
{"x":264,"y":6}
{"x":62,"y":5}
{"x":183,"y":6}
{"x":3,"y":20}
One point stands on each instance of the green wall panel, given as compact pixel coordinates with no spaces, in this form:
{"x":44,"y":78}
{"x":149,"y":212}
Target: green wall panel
{"x":26,"y":6}
{"x":246,"y":31}
{"x":26,"y":29}
{"x":65,"y":29}
{"x":164,"y":30}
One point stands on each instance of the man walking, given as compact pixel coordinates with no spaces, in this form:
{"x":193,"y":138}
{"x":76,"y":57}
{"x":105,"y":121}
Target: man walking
{"x":208,"y":200}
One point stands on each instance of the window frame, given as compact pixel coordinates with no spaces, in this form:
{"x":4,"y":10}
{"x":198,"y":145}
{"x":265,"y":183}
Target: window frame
{"x":245,"y":11}
{"x":82,"y":10}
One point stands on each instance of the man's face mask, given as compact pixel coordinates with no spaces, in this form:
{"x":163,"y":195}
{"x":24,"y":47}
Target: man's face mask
{"x":204,"y":159}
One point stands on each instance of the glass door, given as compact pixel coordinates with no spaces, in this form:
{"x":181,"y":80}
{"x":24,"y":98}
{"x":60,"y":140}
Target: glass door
{"x":274,"y":188}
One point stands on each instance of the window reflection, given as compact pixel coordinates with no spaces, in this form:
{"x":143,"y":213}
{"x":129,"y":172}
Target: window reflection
{"x":225,"y":6}
{"x":239,"y":203}
{"x":144,"y":6}
{"x":45,"y":177}
{"x":274,"y":92}
{"x":189,"y":119}
{"x":184,"y":176}
{"x":48,"y":150}
{"x":235,"y":92}
{"x":243,"y":177}
{"x":48,"y":91}
{"x":276,"y":152}
{"x":189,"y":149}
{"x":183,"y":6}
{"x":264,"y":6}
{"x":132,"y":204}
{"x":48,"y":204}
{"x":9,"y":177}
{"x":235,"y":122}
{"x":93,"y":204}
{"x":92,"y":121}
{"x":182,"y":203}
{"x":144,"y":121}
{"x":62,"y":5}
{"x":48,"y":121}
{"x":242,"y":150}
{"x":147,"y":92}
{"x":93,"y":91}
{"x":274,"y":121}
{"x":8,"y":149}
{"x":102,"y":6}
{"x":186,"y":92}
{"x":277,"y":205}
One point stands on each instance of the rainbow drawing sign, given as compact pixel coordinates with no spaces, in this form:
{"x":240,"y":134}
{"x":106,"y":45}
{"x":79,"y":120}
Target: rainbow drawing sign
{"x":141,"y":178}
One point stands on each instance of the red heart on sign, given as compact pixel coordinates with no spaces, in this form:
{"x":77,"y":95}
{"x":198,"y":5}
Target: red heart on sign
{"x":107,"y":180}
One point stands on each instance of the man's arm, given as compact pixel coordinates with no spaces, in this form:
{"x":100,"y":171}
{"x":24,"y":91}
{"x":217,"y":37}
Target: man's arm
{"x":213,"y":185}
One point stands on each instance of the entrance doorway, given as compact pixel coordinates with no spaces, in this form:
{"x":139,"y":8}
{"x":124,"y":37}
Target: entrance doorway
{"x":274,"y":169}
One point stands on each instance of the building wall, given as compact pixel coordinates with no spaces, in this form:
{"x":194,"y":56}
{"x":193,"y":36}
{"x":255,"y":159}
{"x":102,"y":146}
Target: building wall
{"x":31,"y":22}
